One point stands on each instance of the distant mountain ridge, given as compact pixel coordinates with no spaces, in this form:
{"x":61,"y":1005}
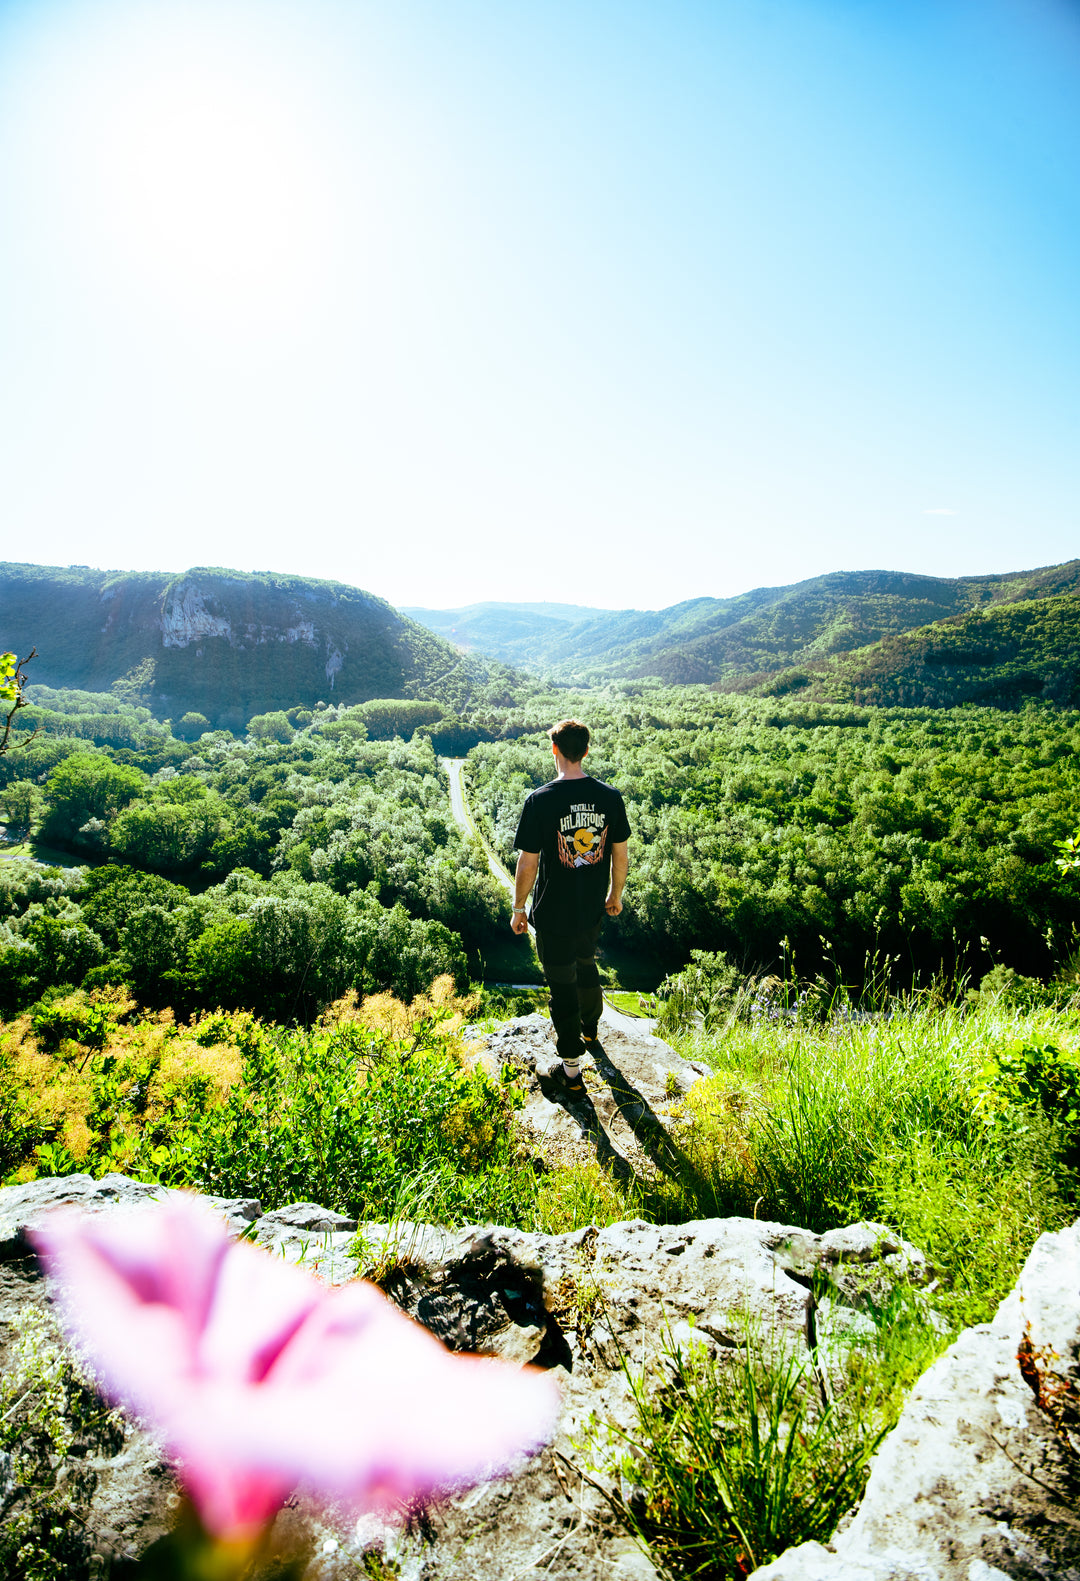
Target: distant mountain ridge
{"x":502,"y":630}
{"x":227,"y":644}
{"x":739,"y":643}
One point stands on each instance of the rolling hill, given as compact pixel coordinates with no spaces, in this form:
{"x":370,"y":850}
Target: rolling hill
{"x":998,"y":657}
{"x":741,"y":643}
{"x":504,"y":631}
{"x":223,"y":643}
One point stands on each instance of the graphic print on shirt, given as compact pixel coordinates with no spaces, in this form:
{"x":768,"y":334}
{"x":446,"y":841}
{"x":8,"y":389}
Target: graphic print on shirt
{"x":582,"y":836}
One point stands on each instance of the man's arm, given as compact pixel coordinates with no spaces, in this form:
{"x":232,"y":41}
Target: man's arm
{"x":524,"y":879}
{"x":620,"y":866}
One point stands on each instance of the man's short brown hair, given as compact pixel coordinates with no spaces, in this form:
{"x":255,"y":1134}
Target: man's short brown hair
{"x":572,"y":739}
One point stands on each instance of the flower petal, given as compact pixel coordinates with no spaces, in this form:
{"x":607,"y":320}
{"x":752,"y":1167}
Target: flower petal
{"x":367,"y":1404}
{"x":261,"y":1378}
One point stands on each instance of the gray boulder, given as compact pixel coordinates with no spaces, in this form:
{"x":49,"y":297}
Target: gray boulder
{"x":576,"y":1304}
{"x":974,"y":1483}
{"x":631,"y":1081}
{"x":21,"y":1205}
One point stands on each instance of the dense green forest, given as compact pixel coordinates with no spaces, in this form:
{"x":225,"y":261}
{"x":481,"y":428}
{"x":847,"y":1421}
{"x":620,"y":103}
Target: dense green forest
{"x":830,"y":835}
{"x":318,"y":853}
{"x":274,"y":872}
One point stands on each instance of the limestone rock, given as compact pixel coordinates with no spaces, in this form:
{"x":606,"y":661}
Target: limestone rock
{"x":631,"y":1080}
{"x":20,"y":1205}
{"x":308,"y":1218}
{"x":575,"y":1303}
{"x":972,"y":1483}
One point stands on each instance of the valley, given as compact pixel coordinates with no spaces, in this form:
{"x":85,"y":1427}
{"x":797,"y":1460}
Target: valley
{"x":265,"y":953}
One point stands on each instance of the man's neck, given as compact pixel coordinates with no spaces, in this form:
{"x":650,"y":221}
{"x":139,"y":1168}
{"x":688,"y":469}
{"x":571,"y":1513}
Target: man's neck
{"x":572,"y":771}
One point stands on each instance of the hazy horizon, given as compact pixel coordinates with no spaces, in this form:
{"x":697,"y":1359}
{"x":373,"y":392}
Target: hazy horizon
{"x":405,"y":605}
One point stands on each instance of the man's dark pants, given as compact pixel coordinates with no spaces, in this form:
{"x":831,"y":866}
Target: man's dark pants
{"x":569,"y":962}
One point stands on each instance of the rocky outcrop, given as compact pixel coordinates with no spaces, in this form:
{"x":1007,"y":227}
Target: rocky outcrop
{"x":226,"y":644}
{"x":577,"y":1304}
{"x":631,"y":1081}
{"x":977,"y":1482}
{"x":185,"y":617}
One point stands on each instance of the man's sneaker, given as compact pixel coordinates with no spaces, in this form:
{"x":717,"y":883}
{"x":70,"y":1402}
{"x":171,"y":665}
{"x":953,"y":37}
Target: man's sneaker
{"x":573,"y":1084}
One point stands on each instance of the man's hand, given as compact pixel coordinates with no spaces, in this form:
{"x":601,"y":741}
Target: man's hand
{"x":528,"y":863}
{"x":620,"y":866}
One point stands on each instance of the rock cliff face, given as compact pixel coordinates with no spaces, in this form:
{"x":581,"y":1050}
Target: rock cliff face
{"x":573,"y":1303}
{"x":220,"y":643}
{"x":977,"y":1481}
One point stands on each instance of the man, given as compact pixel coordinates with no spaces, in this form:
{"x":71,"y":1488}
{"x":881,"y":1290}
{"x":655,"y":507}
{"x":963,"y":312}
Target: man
{"x":572,"y":844}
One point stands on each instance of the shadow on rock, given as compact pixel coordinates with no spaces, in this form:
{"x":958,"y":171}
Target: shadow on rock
{"x":583,"y":1113}
{"x":656,"y":1140}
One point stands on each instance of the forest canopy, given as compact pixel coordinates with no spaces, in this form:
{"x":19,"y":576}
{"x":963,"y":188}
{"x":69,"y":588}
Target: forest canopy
{"x":782,"y":833}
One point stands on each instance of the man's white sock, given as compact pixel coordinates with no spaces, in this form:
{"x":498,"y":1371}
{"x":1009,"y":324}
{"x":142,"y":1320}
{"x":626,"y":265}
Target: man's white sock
{"x":571,"y":1069}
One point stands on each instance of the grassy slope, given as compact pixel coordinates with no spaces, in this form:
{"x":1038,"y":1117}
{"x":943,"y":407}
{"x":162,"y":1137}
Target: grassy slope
{"x":998,"y":656}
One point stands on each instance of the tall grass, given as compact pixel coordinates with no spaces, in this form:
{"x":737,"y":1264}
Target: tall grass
{"x":889,"y":1118}
{"x":729,"y":1458}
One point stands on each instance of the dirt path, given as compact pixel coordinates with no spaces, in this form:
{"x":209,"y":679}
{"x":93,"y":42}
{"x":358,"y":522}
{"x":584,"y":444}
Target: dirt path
{"x":462,"y":816}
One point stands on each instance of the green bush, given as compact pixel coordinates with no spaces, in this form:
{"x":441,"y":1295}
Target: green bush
{"x":732,"y":1460}
{"x":1002,"y":983}
{"x":342,"y":1116}
{"x":708,"y":991}
{"x":72,"y":1017}
{"x":1034,"y":1075}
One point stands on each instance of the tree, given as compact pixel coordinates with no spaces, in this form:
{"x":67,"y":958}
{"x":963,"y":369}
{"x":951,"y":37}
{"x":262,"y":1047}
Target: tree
{"x":110,"y":898}
{"x":163,"y":835}
{"x":13,"y":696}
{"x":192,"y":726}
{"x":270,"y":727}
{"x":22,"y":802}
{"x":395,"y":716}
{"x":84,"y":787}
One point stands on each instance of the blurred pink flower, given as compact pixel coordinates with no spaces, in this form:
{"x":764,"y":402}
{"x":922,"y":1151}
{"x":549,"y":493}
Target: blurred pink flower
{"x":260,"y":1378}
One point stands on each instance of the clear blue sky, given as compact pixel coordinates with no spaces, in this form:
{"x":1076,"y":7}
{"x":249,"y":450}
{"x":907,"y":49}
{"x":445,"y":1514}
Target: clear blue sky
{"x":606,"y":303}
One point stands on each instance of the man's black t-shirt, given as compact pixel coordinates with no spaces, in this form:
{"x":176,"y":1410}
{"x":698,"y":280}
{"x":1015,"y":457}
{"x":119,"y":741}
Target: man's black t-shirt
{"x":572,"y":823}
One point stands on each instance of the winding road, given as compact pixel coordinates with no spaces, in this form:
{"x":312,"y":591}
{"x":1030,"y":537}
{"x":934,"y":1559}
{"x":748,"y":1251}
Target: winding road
{"x":463,"y":817}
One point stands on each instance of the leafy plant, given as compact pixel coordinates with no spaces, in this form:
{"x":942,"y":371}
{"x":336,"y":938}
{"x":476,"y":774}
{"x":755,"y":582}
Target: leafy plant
{"x":52,"y":1425}
{"x":13,"y":696}
{"x":731,"y":1459}
{"x":1034,"y":1075}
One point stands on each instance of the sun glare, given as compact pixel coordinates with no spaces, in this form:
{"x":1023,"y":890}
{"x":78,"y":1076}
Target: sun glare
{"x":197,"y":178}
{"x":202,"y":186}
